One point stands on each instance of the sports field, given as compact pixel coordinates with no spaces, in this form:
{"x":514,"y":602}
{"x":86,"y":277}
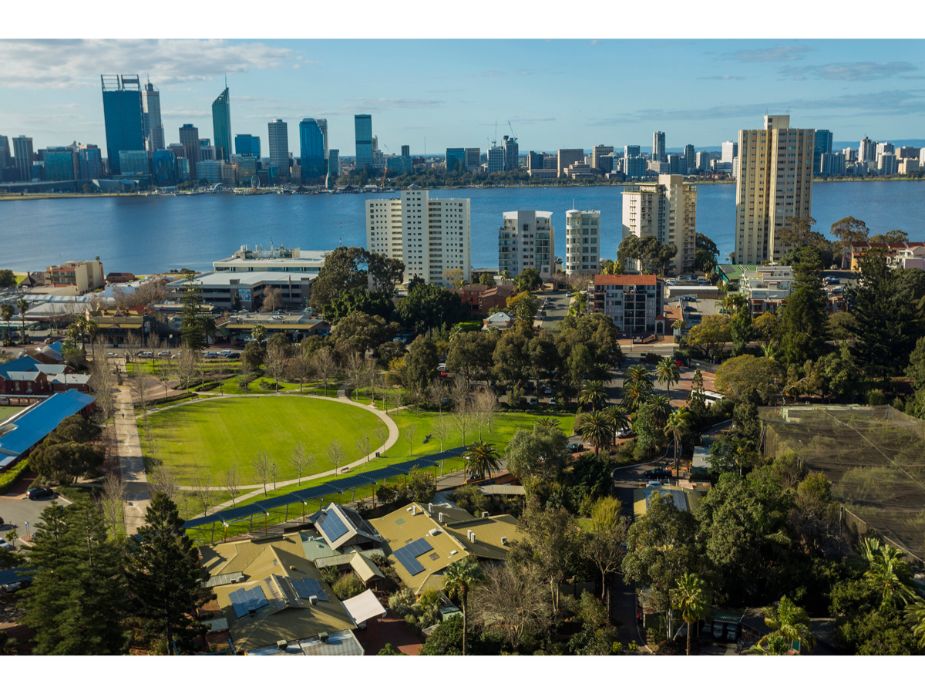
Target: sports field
{"x":6,"y":412}
{"x":201,"y":441}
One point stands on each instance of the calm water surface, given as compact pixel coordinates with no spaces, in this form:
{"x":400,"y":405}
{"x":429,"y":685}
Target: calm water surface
{"x":153,"y":234}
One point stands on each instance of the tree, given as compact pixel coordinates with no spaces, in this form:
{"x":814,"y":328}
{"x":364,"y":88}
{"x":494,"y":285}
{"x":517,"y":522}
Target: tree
{"x":484,"y":403}
{"x":482,"y":461}
{"x":690,"y":598}
{"x":6,"y":314}
{"x":636,"y":387}
{"x":803,"y":318}
{"x":335,"y":455}
{"x":76,"y":603}
{"x":539,"y":454}
{"x":789,"y":624}
{"x":420,"y":365}
{"x":677,"y":427}
{"x":231,"y":483}
{"x":523,"y":306}
{"x":470,"y":354}
{"x":357,"y":276}
{"x":706,"y":254}
{"x":7,"y":279}
{"x":887,"y":574}
{"x":324,"y":365}
{"x":603,"y":544}
{"x":668,"y":372}
{"x":262,"y":468}
{"x":649,"y":425}
{"x":509,"y":600}
{"x":63,"y":463}
{"x":428,"y":306}
{"x":710,"y":335}
{"x":195,"y":326}
{"x":459,"y":578}
{"x":796,"y":235}
{"x":272,"y":300}
{"x":550,"y":546}
{"x":592,"y":395}
{"x":596,"y":427}
{"x":660,"y":549}
{"x":301,"y":460}
{"x":358,"y":332}
{"x":165,"y":577}
{"x":916,"y":612}
{"x":850,"y":232}
{"x":277,"y":357}
{"x":916,"y":369}
{"x":740,"y":325}
{"x":528,"y":280}
{"x":739,"y":377}
{"x":766,"y":327}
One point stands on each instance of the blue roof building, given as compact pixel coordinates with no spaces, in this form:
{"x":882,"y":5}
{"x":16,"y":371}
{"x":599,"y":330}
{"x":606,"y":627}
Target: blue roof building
{"x":24,"y":430}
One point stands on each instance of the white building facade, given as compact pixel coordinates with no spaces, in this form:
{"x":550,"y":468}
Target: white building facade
{"x":582,"y":242}
{"x":667,"y":211}
{"x":430,"y":236}
{"x":526,"y":239}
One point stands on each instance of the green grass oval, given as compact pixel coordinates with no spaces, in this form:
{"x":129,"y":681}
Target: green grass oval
{"x":201,"y":441}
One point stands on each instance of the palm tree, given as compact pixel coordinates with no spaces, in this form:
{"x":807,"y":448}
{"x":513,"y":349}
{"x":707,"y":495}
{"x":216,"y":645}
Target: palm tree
{"x":690,"y":597}
{"x":482,"y":461}
{"x":916,"y":612}
{"x":6,"y":313}
{"x":636,"y":386}
{"x":678,"y":424}
{"x":668,"y":373}
{"x":458,"y":579}
{"x":788,"y":623}
{"x":596,"y":428}
{"x":23,"y":306}
{"x":886,"y":571}
{"x":618,"y":419}
{"x":592,"y":395}
{"x":661,"y":408}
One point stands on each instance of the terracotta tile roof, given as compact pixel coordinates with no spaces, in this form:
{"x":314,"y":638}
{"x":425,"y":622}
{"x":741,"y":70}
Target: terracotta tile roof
{"x":610,"y":280}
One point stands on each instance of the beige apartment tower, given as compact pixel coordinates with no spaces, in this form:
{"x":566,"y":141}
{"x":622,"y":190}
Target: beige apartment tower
{"x":582,"y":242}
{"x":773,"y":186}
{"x":431,"y":237}
{"x":667,"y":211}
{"x":526,"y":239}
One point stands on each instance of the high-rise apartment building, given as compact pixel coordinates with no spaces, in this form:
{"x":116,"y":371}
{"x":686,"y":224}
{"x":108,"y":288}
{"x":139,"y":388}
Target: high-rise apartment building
{"x":690,"y":159}
{"x":511,"y":154}
{"x":495,"y":159}
{"x":207,"y":150}
{"x":582,"y":242}
{"x":246,"y":145}
{"x":773,"y":187}
{"x":526,"y":239}
{"x":867,"y":150}
{"x":154,"y":128}
{"x":363,"y":131}
{"x":430,"y":236}
{"x":729,"y":151}
{"x":666,"y":211}
{"x":221,"y":125}
{"x":598,"y":153}
{"x":567,"y":157}
{"x":24,"y":155}
{"x":123,"y":115}
{"x":632,"y":150}
{"x":189,"y":138}
{"x":822,"y":144}
{"x":658,"y":146}
{"x":311,"y":148}
{"x":278,"y":137}
{"x":632,"y":302}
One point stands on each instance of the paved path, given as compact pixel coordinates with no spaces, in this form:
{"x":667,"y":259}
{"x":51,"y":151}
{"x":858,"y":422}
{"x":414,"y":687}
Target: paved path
{"x":137,"y":495}
{"x":257,"y":489}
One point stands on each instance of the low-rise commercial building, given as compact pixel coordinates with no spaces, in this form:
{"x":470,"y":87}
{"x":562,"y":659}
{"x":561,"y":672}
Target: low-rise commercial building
{"x":85,"y":275}
{"x":766,"y":287}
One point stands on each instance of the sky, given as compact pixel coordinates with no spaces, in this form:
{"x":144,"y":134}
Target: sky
{"x":465,"y":93}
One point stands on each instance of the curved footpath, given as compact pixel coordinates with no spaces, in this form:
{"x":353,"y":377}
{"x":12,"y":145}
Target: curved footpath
{"x":390,"y":441}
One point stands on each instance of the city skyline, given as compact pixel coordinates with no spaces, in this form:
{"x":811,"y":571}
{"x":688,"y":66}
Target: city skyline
{"x":853,"y":88}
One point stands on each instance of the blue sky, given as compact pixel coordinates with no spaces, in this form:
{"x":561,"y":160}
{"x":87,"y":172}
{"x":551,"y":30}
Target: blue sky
{"x":556,"y":93}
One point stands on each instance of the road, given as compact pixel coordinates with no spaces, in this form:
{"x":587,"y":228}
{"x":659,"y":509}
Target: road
{"x":557,"y":303}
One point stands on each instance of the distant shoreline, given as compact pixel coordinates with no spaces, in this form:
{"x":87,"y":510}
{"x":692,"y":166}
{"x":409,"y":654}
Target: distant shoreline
{"x":601,"y":184}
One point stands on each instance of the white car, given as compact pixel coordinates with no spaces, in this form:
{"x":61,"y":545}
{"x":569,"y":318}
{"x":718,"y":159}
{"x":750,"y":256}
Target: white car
{"x":8,"y":546}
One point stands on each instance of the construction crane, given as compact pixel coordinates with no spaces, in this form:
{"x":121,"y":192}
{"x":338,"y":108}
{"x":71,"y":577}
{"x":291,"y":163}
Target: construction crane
{"x":511,"y":128}
{"x":385,"y":169}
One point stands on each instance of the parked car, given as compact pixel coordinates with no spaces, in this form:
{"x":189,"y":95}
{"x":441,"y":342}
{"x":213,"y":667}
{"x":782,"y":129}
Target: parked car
{"x":659,"y":473}
{"x":552,"y":402}
{"x":6,"y":545}
{"x":39,"y":493}
{"x":165,"y":353}
{"x":626,"y":433}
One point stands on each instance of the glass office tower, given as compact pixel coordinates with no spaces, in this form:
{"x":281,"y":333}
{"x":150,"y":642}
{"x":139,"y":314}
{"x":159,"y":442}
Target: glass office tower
{"x":123,"y":114}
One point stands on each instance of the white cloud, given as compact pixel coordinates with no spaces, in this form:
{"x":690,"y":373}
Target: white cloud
{"x":63,"y":64}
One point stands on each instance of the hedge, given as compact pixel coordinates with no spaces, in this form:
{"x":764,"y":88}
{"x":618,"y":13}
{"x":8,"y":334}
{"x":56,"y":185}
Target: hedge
{"x":10,"y":475}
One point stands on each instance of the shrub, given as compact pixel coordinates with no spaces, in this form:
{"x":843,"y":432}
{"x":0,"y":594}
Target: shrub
{"x":347,"y":586}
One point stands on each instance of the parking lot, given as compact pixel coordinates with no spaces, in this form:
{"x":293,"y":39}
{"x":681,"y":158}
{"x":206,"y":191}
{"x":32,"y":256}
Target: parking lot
{"x":20,"y":513}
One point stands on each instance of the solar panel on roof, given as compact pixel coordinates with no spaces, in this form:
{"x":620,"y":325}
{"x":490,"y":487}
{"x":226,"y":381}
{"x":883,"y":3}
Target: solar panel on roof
{"x":244,"y":600}
{"x":306,"y":587}
{"x":333,"y":526}
{"x":408,"y":554}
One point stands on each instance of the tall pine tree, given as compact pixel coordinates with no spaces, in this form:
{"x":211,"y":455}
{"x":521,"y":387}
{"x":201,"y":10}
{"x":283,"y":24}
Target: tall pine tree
{"x":804,"y":316}
{"x":165,"y":577}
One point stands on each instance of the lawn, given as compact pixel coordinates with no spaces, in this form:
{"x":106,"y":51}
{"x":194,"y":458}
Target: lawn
{"x":202,"y":440}
{"x":6,"y":412}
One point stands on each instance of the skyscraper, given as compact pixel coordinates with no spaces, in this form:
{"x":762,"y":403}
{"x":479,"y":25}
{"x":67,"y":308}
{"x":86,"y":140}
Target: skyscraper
{"x":567,"y":157}
{"x":60,"y":163}
{"x":431,"y":237}
{"x":666,"y":211}
{"x":526,"y":239}
{"x":22,"y":151}
{"x":730,"y":150}
{"x":221,"y":125}
{"x":473,"y":158}
{"x":89,"y":163}
{"x":658,"y":146}
{"x":333,"y":164}
{"x":247,"y":145}
{"x":311,"y":149}
{"x":511,"y":154}
{"x":123,"y":114}
{"x":867,"y":150}
{"x":690,"y":156}
{"x":6,"y":157}
{"x":774,"y":186}
{"x":363,"y":130}
{"x":154,"y":128}
{"x":278,"y":132}
{"x":599,"y":158}
{"x":495,"y":158}
{"x":582,"y":242}
{"x":455,"y":160}
{"x":822,"y":144}
{"x":323,"y":125}
{"x":189,"y":138}
{"x":164,"y":167}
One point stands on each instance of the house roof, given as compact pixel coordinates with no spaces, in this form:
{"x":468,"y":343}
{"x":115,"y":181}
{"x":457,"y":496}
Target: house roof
{"x":421,"y":547}
{"x":683,"y":499}
{"x":338,"y":643}
{"x":623,"y":280}
{"x":365,"y":568}
{"x":339,"y":526}
{"x":364,"y":607}
{"x":272,"y":602}
{"x":21,"y":364}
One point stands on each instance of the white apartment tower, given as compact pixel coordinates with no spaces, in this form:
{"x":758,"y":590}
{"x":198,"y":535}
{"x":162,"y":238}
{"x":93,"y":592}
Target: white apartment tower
{"x":582,"y":242}
{"x":431,"y":237}
{"x":667,"y":211}
{"x":526,"y":239}
{"x":774,"y":186}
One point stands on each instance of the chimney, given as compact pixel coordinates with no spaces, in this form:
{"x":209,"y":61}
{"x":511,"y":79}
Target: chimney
{"x":430,"y":508}
{"x":440,"y":517}
{"x":504,"y":541}
{"x":281,"y":644}
{"x":484,"y":514}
